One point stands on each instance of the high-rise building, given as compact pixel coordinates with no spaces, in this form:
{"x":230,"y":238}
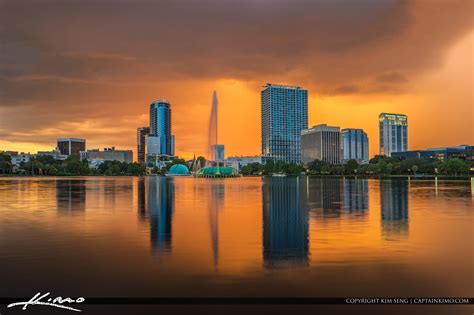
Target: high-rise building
{"x":217,"y":153}
{"x":160,"y":130}
{"x":71,"y":146}
{"x":355,"y":145}
{"x":393,"y":133}
{"x":284,"y":111}
{"x":142,"y":134}
{"x":321,"y":142}
{"x":160,"y":126}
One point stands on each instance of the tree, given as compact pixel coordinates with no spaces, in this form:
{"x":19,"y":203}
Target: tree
{"x":351,"y":167}
{"x":269,"y":167}
{"x":414,"y":168}
{"x":136,"y":169}
{"x":5,"y":163}
{"x":456,"y":166}
{"x":318,"y":166}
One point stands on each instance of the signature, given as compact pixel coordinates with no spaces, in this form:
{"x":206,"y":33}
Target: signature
{"x":45,"y":300}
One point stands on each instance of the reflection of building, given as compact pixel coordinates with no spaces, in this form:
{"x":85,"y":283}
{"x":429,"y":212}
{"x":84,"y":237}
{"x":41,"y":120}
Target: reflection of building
{"x":463,"y":152}
{"x":321,"y":142}
{"x":141,"y":197}
{"x":216,"y":201}
{"x":142,"y":134}
{"x":284,"y":111}
{"x":356,"y":194}
{"x":160,"y":201}
{"x":70,"y":196}
{"x":394,"y":206}
{"x":71,"y":146}
{"x":285,"y":223}
{"x":324,"y":193}
{"x":355,"y":145}
{"x":393,"y":130}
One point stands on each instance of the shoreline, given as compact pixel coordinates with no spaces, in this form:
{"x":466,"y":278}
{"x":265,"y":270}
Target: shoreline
{"x":409,"y":177}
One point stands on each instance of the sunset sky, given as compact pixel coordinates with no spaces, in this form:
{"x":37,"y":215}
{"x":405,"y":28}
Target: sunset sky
{"x":91,"y":68}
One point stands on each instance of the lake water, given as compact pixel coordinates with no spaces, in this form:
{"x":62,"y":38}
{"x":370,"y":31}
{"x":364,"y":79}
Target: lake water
{"x":242,"y":237}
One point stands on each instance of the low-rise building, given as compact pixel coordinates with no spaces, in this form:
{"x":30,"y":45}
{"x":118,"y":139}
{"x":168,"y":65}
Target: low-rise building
{"x":109,"y":154}
{"x":56,"y":154}
{"x":71,"y":146}
{"x":20,"y":158}
{"x":463,"y":152}
{"x":237,"y":162}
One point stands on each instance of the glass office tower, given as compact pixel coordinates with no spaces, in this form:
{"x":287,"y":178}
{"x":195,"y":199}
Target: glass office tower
{"x":284,"y":114}
{"x":393,"y":133}
{"x":355,"y":145}
{"x":160,"y":126}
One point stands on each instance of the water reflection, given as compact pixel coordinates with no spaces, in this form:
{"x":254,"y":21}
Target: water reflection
{"x":285,"y":223}
{"x":356,"y":194}
{"x":216,"y":201}
{"x":394,"y":207}
{"x":248,"y":227}
{"x":71,"y":196}
{"x":141,"y":197}
{"x":156,"y":198}
{"x":160,"y":209}
{"x":324,"y":196}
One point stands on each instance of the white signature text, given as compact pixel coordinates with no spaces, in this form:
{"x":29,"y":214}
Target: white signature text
{"x":45,"y":300}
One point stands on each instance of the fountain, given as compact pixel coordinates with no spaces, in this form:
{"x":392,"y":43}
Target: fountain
{"x":215,"y":152}
{"x":212,"y":131}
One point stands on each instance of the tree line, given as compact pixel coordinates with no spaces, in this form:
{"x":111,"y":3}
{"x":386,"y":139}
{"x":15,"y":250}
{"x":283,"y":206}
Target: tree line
{"x":379,"y":165}
{"x":48,"y":165}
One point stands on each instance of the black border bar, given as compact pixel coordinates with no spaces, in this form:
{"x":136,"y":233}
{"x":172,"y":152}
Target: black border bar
{"x":263,"y":301}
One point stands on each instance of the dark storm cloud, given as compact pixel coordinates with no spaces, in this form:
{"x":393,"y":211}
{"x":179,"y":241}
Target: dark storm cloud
{"x":78,"y":54}
{"x":392,"y":77}
{"x":346,"y":89}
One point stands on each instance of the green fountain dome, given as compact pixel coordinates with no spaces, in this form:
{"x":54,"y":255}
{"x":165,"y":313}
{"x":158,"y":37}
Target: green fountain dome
{"x":214,"y":171}
{"x":178,"y":169}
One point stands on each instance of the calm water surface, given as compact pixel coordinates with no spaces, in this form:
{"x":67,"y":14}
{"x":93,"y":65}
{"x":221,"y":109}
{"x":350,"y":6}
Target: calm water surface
{"x":270,"y":237}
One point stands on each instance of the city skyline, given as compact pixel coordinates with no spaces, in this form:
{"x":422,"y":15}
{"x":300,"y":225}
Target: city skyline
{"x":84,"y":83}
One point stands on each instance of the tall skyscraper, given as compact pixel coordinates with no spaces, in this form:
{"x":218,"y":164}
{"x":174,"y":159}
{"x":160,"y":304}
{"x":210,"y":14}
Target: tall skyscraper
{"x":393,"y":133}
{"x":160,"y":129}
{"x":355,"y":145}
{"x":284,"y":111}
{"x":71,"y":146}
{"x":321,"y":142}
{"x":142,"y":134}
